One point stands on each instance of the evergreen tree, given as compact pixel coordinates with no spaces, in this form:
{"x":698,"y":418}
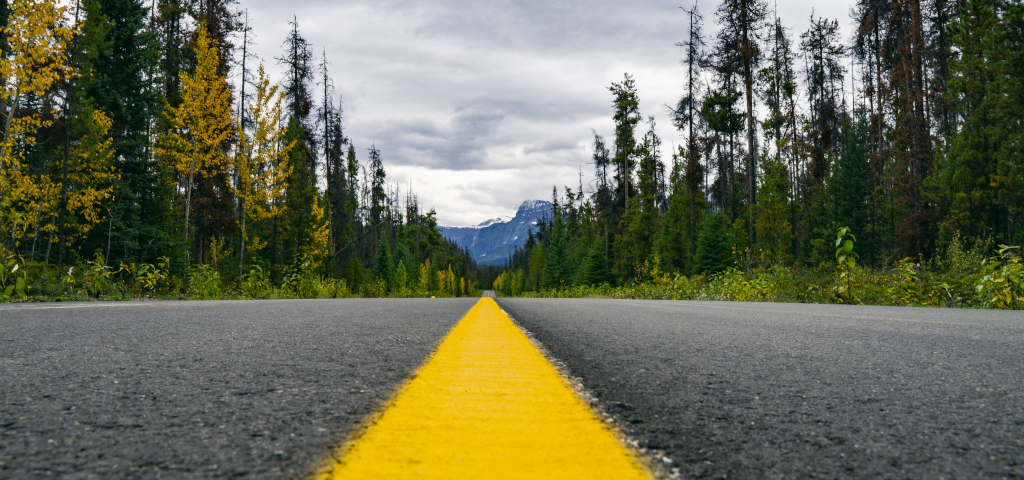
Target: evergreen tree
{"x":687,"y":115}
{"x":714,"y":246}
{"x":296,"y":223}
{"x":121,"y":85}
{"x":675,"y":241}
{"x":774,"y":233}
{"x":556,"y":263}
{"x":851,"y":184}
{"x":378,"y":197}
{"x":626,"y":118}
{"x":823,"y":51}
{"x":634,"y":245}
{"x":384,"y":266}
{"x":739,"y":51}
{"x":592,"y":271}
{"x":720,"y":114}
{"x":978,"y":175}
{"x":298,"y":59}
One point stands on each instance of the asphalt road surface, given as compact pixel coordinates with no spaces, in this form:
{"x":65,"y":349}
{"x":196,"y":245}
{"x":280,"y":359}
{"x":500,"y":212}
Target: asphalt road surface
{"x":267,"y":389}
{"x":746,"y":390}
{"x":263,"y":389}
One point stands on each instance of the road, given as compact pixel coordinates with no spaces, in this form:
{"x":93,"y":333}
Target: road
{"x":268,"y":389}
{"x":260,"y":389}
{"x":744,"y":390}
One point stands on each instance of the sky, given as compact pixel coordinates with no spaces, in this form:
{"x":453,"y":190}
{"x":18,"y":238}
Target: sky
{"x":481,"y":105}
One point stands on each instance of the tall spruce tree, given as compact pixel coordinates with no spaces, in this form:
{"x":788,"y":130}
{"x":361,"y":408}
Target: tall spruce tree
{"x":557,"y":272}
{"x":687,"y":116}
{"x":978,"y":175}
{"x":742,"y":22}
{"x":851,"y":184}
{"x":627,"y":115}
{"x":122,"y":85}
{"x":714,"y":247}
{"x":824,"y":78}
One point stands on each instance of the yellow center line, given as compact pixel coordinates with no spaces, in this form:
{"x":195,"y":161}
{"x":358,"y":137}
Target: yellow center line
{"x":486,"y":405}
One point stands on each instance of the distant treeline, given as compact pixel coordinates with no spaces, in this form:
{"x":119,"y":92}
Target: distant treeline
{"x":909,"y":135}
{"x":123,"y":143}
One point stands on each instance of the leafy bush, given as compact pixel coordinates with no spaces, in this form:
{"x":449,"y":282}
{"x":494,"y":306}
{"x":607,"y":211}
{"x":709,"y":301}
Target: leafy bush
{"x":11,"y":281}
{"x":1002,"y":284}
{"x":99,"y":278}
{"x":204,"y":283}
{"x":303,"y":281}
{"x":256,"y":283}
{"x":375,"y":289}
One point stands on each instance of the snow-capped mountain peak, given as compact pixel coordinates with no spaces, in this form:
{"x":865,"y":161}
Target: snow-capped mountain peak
{"x":492,"y":242}
{"x":501,"y":219}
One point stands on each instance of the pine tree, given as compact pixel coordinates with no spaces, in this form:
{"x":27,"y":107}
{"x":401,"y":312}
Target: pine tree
{"x":122,"y":85}
{"x":634,"y":245}
{"x":384,"y":266}
{"x":169,"y":23}
{"x":592,"y":271}
{"x":297,"y":222}
{"x":742,"y":22}
{"x":401,"y":283}
{"x":714,"y":246}
{"x":298,"y":60}
{"x":556,"y":262}
{"x":675,"y":240}
{"x":774,"y":232}
{"x":378,"y":197}
{"x":822,"y":49}
{"x":851,"y":184}
{"x":720,"y":114}
{"x":626,"y":118}
{"x":686,"y":115}
{"x":978,"y":175}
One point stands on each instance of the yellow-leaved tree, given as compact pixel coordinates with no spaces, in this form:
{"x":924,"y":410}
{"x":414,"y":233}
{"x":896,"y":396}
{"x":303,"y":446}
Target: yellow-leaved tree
{"x":200,"y":125}
{"x":90,"y":172}
{"x":320,"y":242}
{"x":36,"y":59}
{"x":261,"y":162}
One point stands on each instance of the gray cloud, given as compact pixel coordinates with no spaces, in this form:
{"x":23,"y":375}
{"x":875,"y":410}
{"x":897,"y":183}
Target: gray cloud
{"x":482,"y":105}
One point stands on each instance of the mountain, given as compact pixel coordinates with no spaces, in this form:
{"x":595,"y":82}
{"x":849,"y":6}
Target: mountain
{"x":492,"y":242}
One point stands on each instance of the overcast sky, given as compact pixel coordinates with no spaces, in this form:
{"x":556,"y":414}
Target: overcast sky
{"x":485,"y":104}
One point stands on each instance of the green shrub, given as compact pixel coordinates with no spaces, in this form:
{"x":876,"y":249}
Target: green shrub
{"x":204,"y":283}
{"x":1002,"y":283}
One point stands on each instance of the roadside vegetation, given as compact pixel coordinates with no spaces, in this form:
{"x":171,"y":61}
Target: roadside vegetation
{"x":961,"y":278}
{"x":22,"y":281}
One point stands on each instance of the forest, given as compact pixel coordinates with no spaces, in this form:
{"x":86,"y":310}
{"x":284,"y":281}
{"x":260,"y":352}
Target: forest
{"x":131,"y":167}
{"x":887,"y":168}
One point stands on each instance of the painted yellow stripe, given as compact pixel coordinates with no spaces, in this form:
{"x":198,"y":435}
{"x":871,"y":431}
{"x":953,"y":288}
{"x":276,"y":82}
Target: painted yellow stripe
{"x":486,"y":405}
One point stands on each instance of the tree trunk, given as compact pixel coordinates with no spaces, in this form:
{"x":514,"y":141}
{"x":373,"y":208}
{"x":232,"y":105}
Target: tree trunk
{"x":241,"y":252}
{"x":188,"y":208}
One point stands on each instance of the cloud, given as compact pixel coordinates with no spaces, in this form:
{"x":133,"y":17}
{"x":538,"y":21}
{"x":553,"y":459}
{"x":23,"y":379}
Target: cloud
{"x":486,"y":104}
